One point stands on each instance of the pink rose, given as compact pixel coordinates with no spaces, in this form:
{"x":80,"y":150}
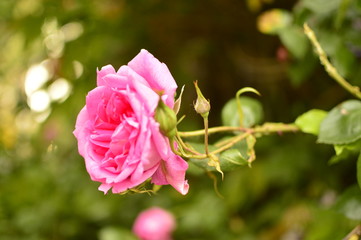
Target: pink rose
{"x":117,"y":133}
{"x":154,"y":224}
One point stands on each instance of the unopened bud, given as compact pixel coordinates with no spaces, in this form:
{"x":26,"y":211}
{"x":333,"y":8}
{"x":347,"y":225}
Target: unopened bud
{"x":166,"y":118}
{"x":202,"y":105}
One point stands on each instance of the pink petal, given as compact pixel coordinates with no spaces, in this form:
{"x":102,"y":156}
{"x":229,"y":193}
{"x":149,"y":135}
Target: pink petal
{"x":132,"y":182}
{"x":173,"y":168}
{"x":108,"y":69}
{"x":155,"y":73}
{"x":81,"y":132}
{"x":115,"y":81}
{"x":104,"y":187}
{"x":140,"y":87}
{"x":172,"y":171}
{"x":94,"y":99}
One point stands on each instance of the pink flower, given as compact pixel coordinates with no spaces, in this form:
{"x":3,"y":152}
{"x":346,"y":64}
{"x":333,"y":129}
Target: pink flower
{"x":154,"y":224}
{"x":117,"y":133}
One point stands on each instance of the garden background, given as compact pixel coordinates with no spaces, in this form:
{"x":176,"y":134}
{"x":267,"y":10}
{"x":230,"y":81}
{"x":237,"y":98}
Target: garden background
{"x":296,"y":188}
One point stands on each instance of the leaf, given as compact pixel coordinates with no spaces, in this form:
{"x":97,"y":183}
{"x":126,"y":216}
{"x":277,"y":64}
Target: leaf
{"x":272,"y":21}
{"x":178,"y":102}
{"x":252,"y":112}
{"x":342,"y":124}
{"x":213,"y":161}
{"x":202,"y":163}
{"x":320,"y":6}
{"x":232,"y":159}
{"x":310,"y":121}
{"x":349,"y":203}
{"x":295,"y":41}
{"x":228,"y":160}
{"x":346,"y":151}
{"x":343,"y":60}
{"x":359,"y":170}
{"x":251,"y":141}
{"x":300,"y":70}
{"x":342,"y":154}
{"x":351,"y":147}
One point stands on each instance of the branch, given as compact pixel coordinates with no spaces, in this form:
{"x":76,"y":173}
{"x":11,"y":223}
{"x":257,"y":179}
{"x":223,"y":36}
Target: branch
{"x":354,"y":234}
{"x":330,"y":69}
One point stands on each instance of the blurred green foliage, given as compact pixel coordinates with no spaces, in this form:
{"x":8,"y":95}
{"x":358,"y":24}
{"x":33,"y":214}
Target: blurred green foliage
{"x":291,"y":191}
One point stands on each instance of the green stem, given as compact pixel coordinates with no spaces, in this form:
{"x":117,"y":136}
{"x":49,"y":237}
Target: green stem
{"x":354,"y":234}
{"x":205,"y":120}
{"x":183,"y":146}
{"x":183,"y":154}
{"x":275,"y":127}
{"x":330,"y":69}
{"x":231,"y":143}
{"x":265,"y":128}
{"x":210,"y":131}
{"x":239,"y":105}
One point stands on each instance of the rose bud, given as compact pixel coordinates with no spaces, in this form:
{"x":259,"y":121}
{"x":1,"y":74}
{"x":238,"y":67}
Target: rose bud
{"x":166,"y":118}
{"x":202,"y":105}
{"x":154,"y":224}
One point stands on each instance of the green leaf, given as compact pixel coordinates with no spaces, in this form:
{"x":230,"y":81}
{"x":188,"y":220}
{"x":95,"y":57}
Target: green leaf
{"x":229,"y":159}
{"x":354,"y":147}
{"x":343,"y":60}
{"x":349,"y":203}
{"x":310,"y":121}
{"x":232,"y":159}
{"x":320,"y":6}
{"x":299,"y":71}
{"x":329,"y":41}
{"x":252,"y":112}
{"x":346,"y":151}
{"x":272,"y":21}
{"x":342,"y":124}
{"x":295,"y":41}
{"x":202,"y":163}
{"x":251,"y":141}
{"x":359,"y":170}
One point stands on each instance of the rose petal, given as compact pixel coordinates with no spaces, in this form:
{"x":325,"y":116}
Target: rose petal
{"x":108,"y":69}
{"x":155,"y":73}
{"x":172,"y":171}
{"x":130,"y":182}
{"x":115,"y":81}
{"x":95,"y":99}
{"x":141,"y":87}
{"x":81,"y":131}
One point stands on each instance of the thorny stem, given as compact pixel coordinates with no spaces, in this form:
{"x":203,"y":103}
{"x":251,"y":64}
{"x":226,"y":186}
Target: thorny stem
{"x":263,"y":129}
{"x":354,"y":234}
{"x":330,"y":69}
{"x":231,"y":143}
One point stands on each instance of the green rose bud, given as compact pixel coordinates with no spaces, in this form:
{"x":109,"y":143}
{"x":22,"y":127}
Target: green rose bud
{"x":166,"y":118}
{"x":202,"y":105}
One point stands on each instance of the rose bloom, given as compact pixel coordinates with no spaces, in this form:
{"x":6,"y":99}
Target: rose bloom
{"x":154,"y":224}
{"x":116,"y":131}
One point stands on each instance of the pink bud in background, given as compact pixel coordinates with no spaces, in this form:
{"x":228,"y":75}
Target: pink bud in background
{"x":154,"y":224}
